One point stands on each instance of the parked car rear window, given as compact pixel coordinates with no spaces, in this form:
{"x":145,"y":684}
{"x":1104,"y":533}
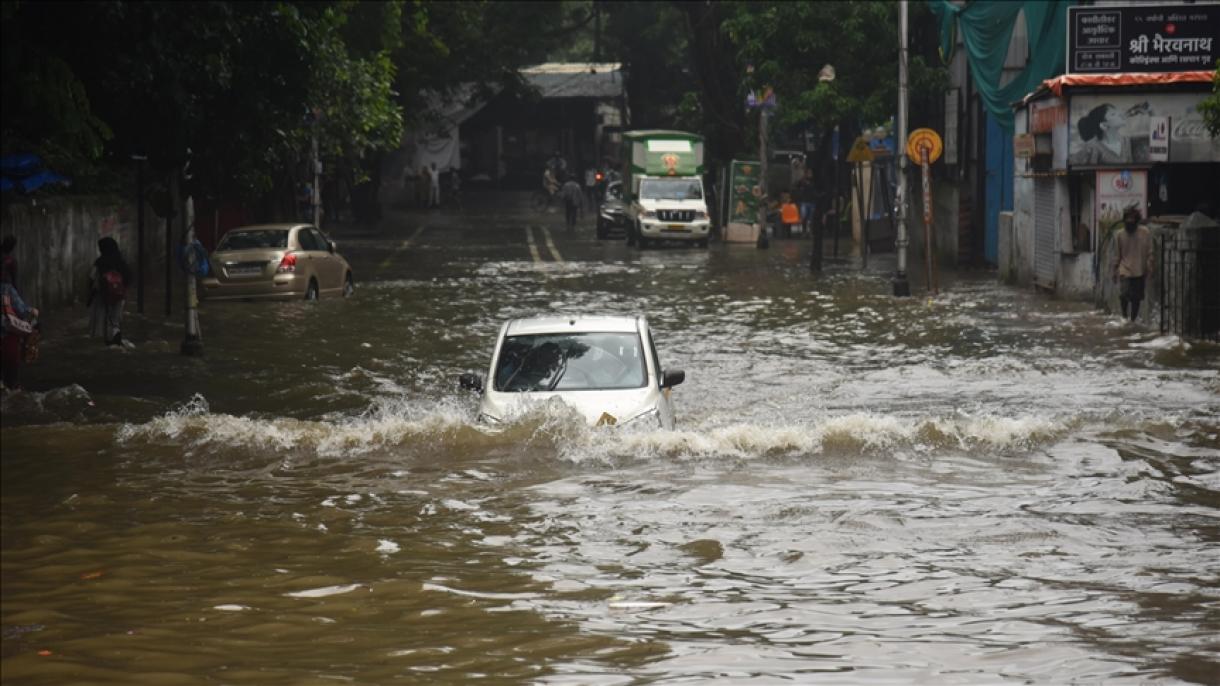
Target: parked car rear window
{"x":570,"y":362}
{"x":248,"y":240}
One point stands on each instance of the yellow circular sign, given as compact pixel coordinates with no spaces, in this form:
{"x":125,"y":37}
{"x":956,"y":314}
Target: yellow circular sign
{"x":924,"y":139}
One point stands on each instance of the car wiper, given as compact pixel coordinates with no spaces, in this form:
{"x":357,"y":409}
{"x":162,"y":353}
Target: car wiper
{"x":563,"y":368}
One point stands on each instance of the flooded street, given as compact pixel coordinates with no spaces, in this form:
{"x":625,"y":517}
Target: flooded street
{"x":990,"y":486}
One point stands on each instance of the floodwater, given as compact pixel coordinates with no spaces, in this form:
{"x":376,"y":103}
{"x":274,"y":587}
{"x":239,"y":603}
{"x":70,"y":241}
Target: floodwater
{"x":988,"y":486}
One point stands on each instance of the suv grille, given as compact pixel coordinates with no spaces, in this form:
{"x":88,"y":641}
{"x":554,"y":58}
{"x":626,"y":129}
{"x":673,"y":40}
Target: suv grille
{"x":676,"y":215}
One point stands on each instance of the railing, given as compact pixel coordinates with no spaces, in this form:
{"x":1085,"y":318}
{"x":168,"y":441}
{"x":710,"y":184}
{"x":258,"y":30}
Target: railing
{"x":1190,"y":283}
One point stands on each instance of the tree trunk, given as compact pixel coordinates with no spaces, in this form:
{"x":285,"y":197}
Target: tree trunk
{"x":718,"y":78}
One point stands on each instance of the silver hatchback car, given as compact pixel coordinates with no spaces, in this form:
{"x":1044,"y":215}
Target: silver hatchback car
{"x":604,"y":367}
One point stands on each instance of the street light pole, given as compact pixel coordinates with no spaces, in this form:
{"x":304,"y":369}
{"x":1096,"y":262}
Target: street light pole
{"x":316,"y":199}
{"x":192,"y":341}
{"x":902,"y":287}
{"x":140,"y":159}
{"x":763,"y":241}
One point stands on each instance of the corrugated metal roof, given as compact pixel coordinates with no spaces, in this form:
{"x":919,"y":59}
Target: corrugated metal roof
{"x":576,"y":79}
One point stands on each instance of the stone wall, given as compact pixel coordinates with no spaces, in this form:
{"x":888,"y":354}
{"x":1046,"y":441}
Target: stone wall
{"x":57,"y":243}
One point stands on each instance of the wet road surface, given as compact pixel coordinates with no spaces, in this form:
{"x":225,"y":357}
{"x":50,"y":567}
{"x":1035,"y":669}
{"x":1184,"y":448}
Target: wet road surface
{"x":990,"y":486}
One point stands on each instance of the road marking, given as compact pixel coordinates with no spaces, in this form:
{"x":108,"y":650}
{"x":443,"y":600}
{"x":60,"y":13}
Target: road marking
{"x":401,"y":247}
{"x":551,"y":245}
{"x":529,"y":236}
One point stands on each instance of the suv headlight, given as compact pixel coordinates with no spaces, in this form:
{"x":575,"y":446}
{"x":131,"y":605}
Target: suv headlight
{"x":700,"y":214}
{"x":488,"y":419}
{"x":648,"y":214}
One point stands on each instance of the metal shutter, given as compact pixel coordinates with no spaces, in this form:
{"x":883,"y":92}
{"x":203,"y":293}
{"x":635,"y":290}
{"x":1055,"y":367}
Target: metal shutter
{"x":1045,"y":230}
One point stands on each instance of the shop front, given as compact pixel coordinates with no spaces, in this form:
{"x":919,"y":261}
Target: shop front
{"x":1086,"y":149}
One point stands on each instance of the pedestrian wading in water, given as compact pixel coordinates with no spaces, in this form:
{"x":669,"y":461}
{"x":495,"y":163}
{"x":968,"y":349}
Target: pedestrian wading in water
{"x":108,"y":292}
{"x":1133,"y":262}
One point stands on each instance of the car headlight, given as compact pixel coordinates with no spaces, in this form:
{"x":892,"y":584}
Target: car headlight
{"x":700,"y":214}
{"x":485,"y":418}
{"x":645,"y":418}
{"x":649,"y":214}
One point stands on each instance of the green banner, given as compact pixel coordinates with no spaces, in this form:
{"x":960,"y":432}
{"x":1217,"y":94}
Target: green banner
{"x":744,"y":192}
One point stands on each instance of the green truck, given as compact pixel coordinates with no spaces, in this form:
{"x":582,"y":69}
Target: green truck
{"x":663,"y":184}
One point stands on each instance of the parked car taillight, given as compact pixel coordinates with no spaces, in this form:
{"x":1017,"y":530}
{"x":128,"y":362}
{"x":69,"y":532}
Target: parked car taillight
{"x":287,"y":264}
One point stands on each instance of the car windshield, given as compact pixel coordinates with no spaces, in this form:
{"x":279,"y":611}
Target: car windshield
{"x":670,"y":189}
{"x":570,"y":362}
{"x":249,"y":240}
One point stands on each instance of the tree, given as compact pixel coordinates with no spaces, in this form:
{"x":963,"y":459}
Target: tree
{"x":236,"y":83}
{"x":788,"y":43}
{"x":1210,"y":107}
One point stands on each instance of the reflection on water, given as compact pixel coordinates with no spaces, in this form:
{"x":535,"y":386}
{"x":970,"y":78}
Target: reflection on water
{"x":987,"y":487}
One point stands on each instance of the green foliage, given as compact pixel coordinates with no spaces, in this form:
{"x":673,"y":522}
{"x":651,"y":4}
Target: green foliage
{"x":451,"y":44}
{"x":46,"y":108}
{"x":788,"y":43}
{"x":650,"y":39}
{"x":234,"y":82}
{"x":1210,"y":107}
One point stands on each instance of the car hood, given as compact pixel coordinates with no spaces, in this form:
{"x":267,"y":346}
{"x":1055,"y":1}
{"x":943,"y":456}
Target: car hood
{"x":621,"y":405}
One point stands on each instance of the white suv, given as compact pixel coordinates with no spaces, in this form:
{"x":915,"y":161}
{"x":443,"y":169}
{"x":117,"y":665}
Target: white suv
{"x":604,"y":367}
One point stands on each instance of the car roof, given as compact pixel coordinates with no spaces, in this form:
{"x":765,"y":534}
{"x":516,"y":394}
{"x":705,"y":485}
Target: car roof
{"x":266,"y":227}
{"x":571,"y":324}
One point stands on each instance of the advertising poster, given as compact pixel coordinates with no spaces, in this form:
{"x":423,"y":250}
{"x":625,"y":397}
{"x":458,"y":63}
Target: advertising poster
{"x":1115,"y":130}
{"x":744,"y":193}
{"x":1116,"y":191}
{"x":1158,"y":139}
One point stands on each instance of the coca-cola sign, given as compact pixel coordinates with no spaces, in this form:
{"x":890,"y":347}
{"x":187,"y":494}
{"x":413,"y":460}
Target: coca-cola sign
{"x":1113,"y":39}
{"x":1118,"y":130}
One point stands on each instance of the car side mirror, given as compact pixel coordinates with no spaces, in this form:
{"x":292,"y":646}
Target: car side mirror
{"x":471,"y":382}
{"x":671,"y":378}
{"x":333,"y":246}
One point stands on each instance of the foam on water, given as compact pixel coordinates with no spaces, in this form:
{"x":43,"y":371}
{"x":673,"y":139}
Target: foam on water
{"x":555,"y":429}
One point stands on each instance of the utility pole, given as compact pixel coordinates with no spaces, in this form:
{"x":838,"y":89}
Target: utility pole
{"x":316,"y":199}
{"x":192,"y":342}
{"x":902,"y":287}
{"x":763,"y":241}
{"x":140,"y":159}
{"x":834,"y":197}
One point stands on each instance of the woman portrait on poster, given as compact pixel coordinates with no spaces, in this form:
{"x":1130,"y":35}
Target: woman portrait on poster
{"x":1103,"y":142}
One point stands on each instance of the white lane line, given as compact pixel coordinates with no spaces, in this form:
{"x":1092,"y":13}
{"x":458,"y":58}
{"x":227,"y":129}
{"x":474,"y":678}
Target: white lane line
{"x":550,"y":244}
{"x":401,"y":247}
{"x":529,"y":236}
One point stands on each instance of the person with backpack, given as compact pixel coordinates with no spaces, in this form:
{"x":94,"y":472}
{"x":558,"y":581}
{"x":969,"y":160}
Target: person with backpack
{"x":108,"y":292}
{"x":18,"y":321}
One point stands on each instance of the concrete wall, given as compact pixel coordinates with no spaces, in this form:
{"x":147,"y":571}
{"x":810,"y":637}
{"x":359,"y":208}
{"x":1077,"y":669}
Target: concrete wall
{"x":57,"y":243}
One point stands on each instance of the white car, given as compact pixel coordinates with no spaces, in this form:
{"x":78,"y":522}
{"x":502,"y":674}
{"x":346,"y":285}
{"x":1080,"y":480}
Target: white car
{"x":604,"y":367}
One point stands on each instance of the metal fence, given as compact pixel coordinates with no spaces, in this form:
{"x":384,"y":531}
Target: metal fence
{"x":1190,"y":283}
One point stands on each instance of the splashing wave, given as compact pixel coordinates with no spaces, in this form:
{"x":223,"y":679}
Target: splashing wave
{"x":442,"y":426}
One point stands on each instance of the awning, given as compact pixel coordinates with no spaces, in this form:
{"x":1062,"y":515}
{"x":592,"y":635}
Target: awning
{"x":1057,"y":84}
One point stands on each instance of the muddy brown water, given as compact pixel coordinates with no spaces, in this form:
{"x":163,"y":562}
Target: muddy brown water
{"x":988,"y":486}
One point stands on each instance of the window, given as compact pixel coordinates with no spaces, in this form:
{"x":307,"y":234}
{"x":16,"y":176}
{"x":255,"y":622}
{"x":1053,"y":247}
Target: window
{"x":253,"y":240}
{"x":306,"y":239}
{"x":320,"y":240}
{"x":570,"y":362}
{"x":671,"y":189}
